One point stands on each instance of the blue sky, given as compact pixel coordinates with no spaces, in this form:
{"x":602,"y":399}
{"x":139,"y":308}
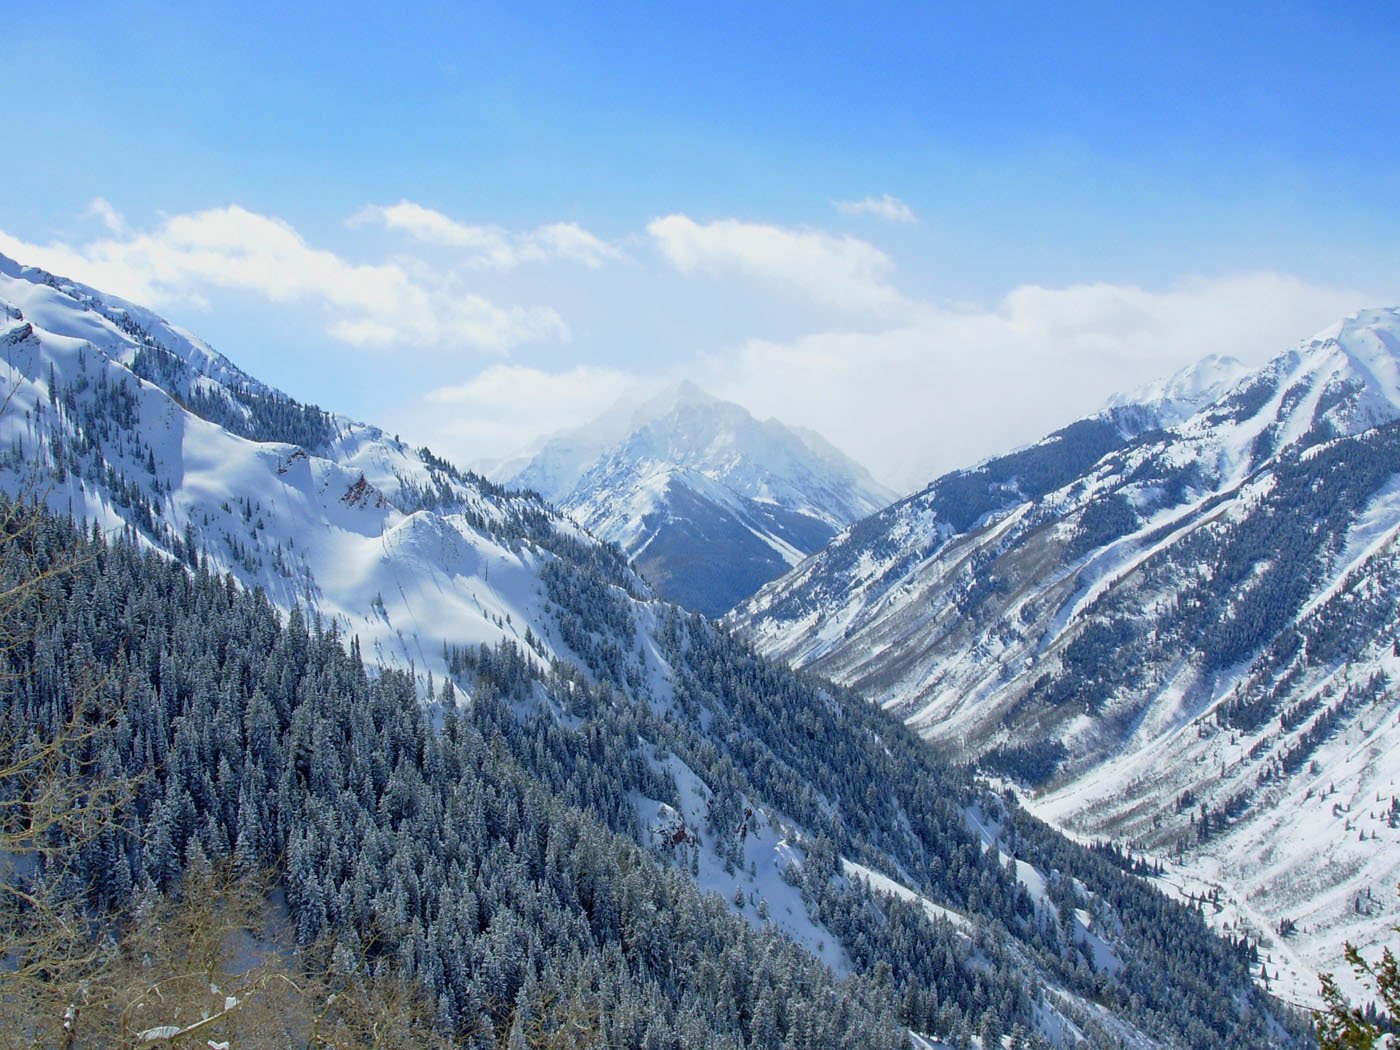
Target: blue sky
{"x":928,"y":232}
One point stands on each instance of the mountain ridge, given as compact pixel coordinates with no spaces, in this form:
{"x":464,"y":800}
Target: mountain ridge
{"x":1071,"y":612}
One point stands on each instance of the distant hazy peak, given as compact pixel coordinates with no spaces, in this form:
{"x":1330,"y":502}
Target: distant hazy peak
{"x":684,"y":425}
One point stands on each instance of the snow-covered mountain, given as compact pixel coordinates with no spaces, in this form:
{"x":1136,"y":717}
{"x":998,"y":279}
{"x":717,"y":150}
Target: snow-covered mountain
{"x":812,"y":815}
{"x":1178,"y":397}
{"x":152,"y":432}
{"x":1177,"y":618}
{"x":707,"y":501}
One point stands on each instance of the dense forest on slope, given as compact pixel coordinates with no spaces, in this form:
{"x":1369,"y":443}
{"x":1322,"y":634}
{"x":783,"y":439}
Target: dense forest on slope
{"x":433,"y":852}
{"x":867,"y":788}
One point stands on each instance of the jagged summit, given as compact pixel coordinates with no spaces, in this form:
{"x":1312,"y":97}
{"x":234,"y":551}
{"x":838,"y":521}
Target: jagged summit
{"x":1369,"y":344}
{"x":710,"y":501}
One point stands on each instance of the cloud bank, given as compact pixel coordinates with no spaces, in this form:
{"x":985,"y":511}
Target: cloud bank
{"x":909,"y":386}
{"x":956,"y":385}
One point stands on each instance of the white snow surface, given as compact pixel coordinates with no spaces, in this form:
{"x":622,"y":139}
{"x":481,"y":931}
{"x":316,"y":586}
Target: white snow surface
{"x":884,"y":884}
{"x":770,"y":848}
{"x":1182,"y":394}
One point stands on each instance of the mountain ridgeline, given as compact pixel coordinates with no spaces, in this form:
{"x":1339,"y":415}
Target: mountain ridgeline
{"x":1179,"y":627}
{"x":473,"y":750}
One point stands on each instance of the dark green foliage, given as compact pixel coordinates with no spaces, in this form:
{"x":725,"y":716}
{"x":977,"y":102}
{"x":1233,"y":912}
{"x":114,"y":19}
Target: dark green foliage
{"x":1031,"y":764}
{"x":1126,"y":861}
{"x":1102,"y":522}
{"x":866,"y":788}
{"x":1245,"y":403}
{"x":436,"y":854}
{"x":1259,"y":570}
{"x":963,"y":498}
{"x":1239,"y":584}
{"x":1342,"y":1025}
{"x":250,"y":410}
{"x":448,"y":488}
{"x":1176,"y":968}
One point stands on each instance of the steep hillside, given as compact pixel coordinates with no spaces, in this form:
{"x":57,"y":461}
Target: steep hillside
{"x":708,"y":502}
{"x":144,"y":428}
{"x":603,"y":754}
{"x":1183,"y":635}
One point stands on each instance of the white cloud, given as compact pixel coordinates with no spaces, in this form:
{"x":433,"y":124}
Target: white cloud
{"x":569,"y":240}
{"x":188,"y":256}
{"x":843,"y":272}
{"x":489,"y":243}
{"x":491,"y":246}
{"x":505,"y":407}
{"x":885,"y":207}
{"x":103,"y":211}
{"x":953,"y":386}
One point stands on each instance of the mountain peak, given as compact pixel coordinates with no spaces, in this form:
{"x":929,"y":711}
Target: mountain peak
{"x":1370,"y":339}
{"x":688,"y":398}
{"x":684,"y":425}
{"x":1359,"y":324}
{"x":753,"y":496}
{"x":1185,"y":391}
{"x":689,"y":390}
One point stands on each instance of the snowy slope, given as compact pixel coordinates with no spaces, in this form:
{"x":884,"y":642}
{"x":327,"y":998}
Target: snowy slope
{"x":1143,"y":622}
{"x":404,"y":553}
{"x":709,"y":502}
{"x":341,"y":525}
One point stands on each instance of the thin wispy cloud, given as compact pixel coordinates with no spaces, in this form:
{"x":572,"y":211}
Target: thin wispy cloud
{"x":103,"y":211}
{"x":842,"y":272}
{"x":506,"y":407}
{"x":488,"y":245}
{"x":886,"y":207}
